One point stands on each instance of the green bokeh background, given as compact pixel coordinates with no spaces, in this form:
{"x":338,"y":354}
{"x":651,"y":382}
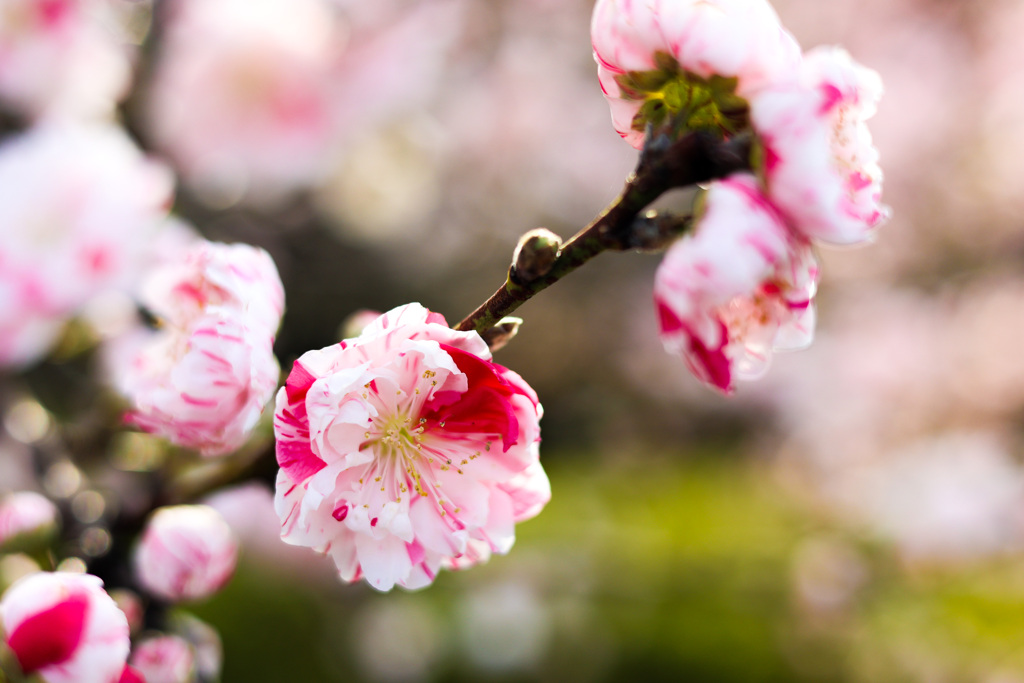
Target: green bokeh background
{"x":674,"y":566}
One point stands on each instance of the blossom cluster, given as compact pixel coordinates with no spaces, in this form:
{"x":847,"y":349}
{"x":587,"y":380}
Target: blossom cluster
{"x":743,"y":284}
{"x":64,"y":627}
{"x":403,"y":449}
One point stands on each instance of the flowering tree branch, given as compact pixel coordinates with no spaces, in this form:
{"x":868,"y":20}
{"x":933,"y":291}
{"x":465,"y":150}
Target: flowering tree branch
{"x":664,"y":164}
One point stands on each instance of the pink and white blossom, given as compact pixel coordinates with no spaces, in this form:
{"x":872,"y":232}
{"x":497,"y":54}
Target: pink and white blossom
{"x":165,"y":659}
{"x":26,"y":513}
{"x":80,"y":206}
{"x":186,"y":552}
{"x":739,"y":39}
{"x":64,"y":628}
{"x":819,"y":163}
{"x":203,"y":378}
{"x":253,"y":99}
{"x":739,"y":288}
{"x":406,"y":450}
{"x":204,"y":387}
{"x":62,"y":57}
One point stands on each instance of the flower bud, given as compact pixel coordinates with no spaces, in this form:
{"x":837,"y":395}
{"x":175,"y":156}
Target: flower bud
{"x":502,"y":333}
{"x":535,"y":255}
{"x":130,"y":675}
{"x":131,"y":604}
{"x":165,"y":659}
{"x":64,"y":628}
{"x":26,"y":519}
{"x":355,"y":322}
{"x":187,"y":552}
{"x":205,"y":643}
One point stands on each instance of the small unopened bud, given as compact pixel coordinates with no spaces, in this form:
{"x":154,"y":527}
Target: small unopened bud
{"x":353,"y":325}
{"x":535,"y":255}
{"x":186,"y":552}
{"x":502,"y":333}
{"x":165,"y":659}
{"x":204,"y":641}
{"x":131,"y":604}
{"x":28,"y":520}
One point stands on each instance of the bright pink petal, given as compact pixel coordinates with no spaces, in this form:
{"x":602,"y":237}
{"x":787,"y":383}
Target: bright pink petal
{"x":50,"y":637}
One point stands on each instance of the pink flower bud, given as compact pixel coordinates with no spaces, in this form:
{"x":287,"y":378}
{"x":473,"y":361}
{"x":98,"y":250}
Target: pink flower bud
{"x":187,"y":552}
{"x":131,"y":604}
{"x":819,"y":163}
{"x":65,"y":628}
{"x":406,"y":450}
{"x":26,"y":514}
{"x":165,"y":659}
{"x":203,"y":378}
{"x":700,"y":39}
{"x":738,"y":288}
{"x":355,"y":322}
{"x":130,"y":675}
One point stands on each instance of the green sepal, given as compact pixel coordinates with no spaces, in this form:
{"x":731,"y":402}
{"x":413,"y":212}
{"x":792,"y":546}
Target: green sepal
{"x":683,"y":101}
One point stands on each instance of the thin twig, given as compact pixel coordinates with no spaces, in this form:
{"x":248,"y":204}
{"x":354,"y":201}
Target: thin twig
{"x":694,"y":158}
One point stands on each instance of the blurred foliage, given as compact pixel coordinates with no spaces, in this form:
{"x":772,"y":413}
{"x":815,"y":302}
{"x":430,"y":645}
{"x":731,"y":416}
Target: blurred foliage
{"x":667,"y":568}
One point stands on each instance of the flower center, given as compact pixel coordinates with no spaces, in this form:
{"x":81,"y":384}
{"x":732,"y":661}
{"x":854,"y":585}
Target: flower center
{"x":752,"y":320}
{"x":398,"y":437}
{"x":397,"y":442}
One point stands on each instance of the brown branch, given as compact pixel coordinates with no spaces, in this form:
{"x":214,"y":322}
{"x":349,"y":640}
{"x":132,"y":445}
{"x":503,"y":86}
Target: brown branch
{"x":694,"y":158}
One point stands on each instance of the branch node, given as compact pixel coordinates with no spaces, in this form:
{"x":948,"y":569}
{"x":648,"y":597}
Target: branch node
{"x":502,"y":333}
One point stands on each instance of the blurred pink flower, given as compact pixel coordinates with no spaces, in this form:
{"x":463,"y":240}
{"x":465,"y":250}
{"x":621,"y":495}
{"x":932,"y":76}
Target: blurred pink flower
{"x":950,"y":497}
{"x":61,"y":57}
{"x":254,"y":98}
{"x":203,"y":378}
{"x":26,"y":513}
{"x":737,"y":288}
{"x":406,"y":450}
{"x":65,"y":628}
{"x":165,"y":659}
{"x":740,"y":39}
{"x":186,"y":552}
{"x":80,"y":206}
{"x":819,"y":163}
